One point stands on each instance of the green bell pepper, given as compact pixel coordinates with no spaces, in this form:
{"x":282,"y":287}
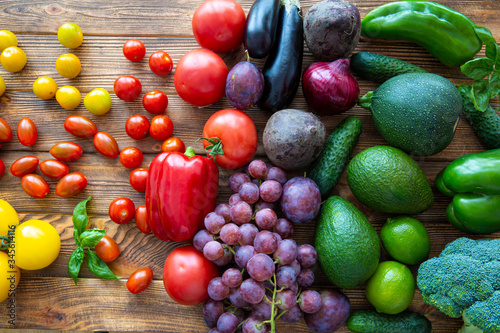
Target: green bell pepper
{"x":447,"y":34}
{"x":473,"y":181}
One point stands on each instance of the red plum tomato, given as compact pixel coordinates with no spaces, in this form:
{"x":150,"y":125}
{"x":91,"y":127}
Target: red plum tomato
{"x":138,"y":179}
{"x":134,"y":50}
{"x":2,"y":168}
{"x":173,"y":144}
{"x":106,"y":145}
{"x":54,"y":169}
{"x":160,"y":63}
{"x":131,"y":157}
{"x":140,"y":280}
{"x":107,"y":249}
{"x":71,"y":184}
{"x":127,"y":88}
{"x":27,"y":132}
{"x":161,"y":128}
{"x":35,"y":186}
{"x":155,"y":101}
{"x":80,"y":126}
{"x":141,"y":219}
{"x":5,"y":131}
{"x":66,"y":151}
{"x":24,"y":165}
{"x":137,"y":126}
{"x":121,"y":210}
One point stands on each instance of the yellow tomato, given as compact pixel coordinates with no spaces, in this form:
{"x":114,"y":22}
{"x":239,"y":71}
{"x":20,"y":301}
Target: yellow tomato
{"x":98,"y":101}
{"x":13,"y":59}
{"x":36,"y":245}
{"x":45,"y":87}
{"x":8,"y":218}
{"x":7,"y":38}
{"x":70,"y":35}
{"x":2,"y":86}
{"x":68,"y":65}
{"x":68,"y":97}
{"x":9,"y":276}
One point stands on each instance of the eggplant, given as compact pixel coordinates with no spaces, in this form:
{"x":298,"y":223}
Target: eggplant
{"x":260,"y":28}
{"x":283,"y":67}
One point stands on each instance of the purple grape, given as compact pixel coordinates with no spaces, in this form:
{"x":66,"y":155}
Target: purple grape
{"x":213,"y":250}
{"x":307,"y":255}
{"x":283,"y":227}
{"x":285,"y":299}
{"x":309,"y":301}
{"x":262,"y":310}
{"x":278,"y":237}
{"x":240,"y":314}
{"x":236,"y":299}
{"x":305,"y":277}
{"x":257,"y":169}
{"x":241,"y":212}
{"x":293,"y":315}
{"x":244,"y":85}
{"x":266,"y":218}
{"x":295,"y":287}
{"x":295,"y":264}
{"x":234,"y":199}
{"x":270,"y":190}
{"x":286,"y":252}
{"x":230,"y":234}
{"x":232,"y":277}
{"x":261,"y":267}
{"x":253,"y":325}
{"x":214,"y":330}
{"x":243,"y":254}
{"x":301,"y":200}
{"x":201,"y":238}
{"x":236,"y":179}
{"x":217,"y":290}
{"x":261,"y":204}
{"x":285,"y":277}
{"x":223,"y":210}
{"x":249,"y":192}
{"x":277,"y":174}
{"x":225,"y":259}
{"x":265,"y":242}
{"x":333,"y":314}
{"x":212,"y":310}
{"x":227,"y":323}
{"x":252,"y":291}
{"x":214,"y":222}
{"x":248,"y":233}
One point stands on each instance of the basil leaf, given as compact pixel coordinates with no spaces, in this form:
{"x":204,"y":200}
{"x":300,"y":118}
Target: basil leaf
{"x":80,"y":218}
{"x":91,"y":237}
{"x":485,"y":35}
{"x":477,"y":68}
{"x":493,"y":53}
{"x":99,"y":267}
{"x":481,"y":94}
{"x":494,"y":84}
{"x":75,"y":263}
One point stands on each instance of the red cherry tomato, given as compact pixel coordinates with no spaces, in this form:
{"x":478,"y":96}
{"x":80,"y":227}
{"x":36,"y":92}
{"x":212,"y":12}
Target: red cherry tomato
{"x":127,"y":88}
{"x":155,"y":101}
{"x":173,"y":144}
{"x":160,"y":63}
{"x":71,"y":184}
{"x":27,"y":132}
{"x":218,"y":25}
{"x":134,"y":50}
{"x":138,"y":178}
{"x":140,"y":280}
{"x":80,"y":126}
{"x":2,"y":168}
{"x":137,"y":126}
{"x":161,"y":128}
{"x":141,"y":219}
{"x":54,"y":169}
{"x":131,"y":157}
{"x":35,"y":186}
{"x":121,"y":210}
{"x":186,"y":275}
{"x":5,"y":131}
{"x":107,"y":249}
{"x":66,"y":151}
{"x":106,"y":145}
{"x":200,"y":77}
{"x":237,"y":132}
{"x":24,"y":166}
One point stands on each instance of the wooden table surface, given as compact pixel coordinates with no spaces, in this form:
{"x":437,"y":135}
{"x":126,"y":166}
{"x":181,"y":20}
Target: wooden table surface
{"x":47,"y":299}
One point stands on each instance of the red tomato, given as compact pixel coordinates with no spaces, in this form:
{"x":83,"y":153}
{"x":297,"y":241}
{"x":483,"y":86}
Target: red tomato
{"x":134,"y":50}
{"x":127,"y":88}
{"x":27,"y":132}
{"x":200,"y":77}
{"x":24,"y":166}
{"x":137,"y":126}
{"x":141,"y":219}
{"x":218,"y":25}
{"x":186,"y":275}
{"x":173,"y":144}
{"x":161,"y":128}
{"x":5,"y":131}
{"x":121,"y":210}
{"x":140,"y":280}
{"x":138,"y":179}
{"x":2,"y":168}
{"x":155,"y":101}
{"x":237,"y":132}
{"x":54,"y":169}
{"x":160,"y":63}
{"x":80,"y":126}
{"x":107,"y":249}
{"x":106,"y":145}
{"x":66,"y":151}
{"x":35,"y":186}
{"x":131,"y":157}
{"x":71,"y":184}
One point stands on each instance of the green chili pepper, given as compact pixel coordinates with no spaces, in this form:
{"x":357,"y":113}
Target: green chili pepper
{"x":445,"y":33}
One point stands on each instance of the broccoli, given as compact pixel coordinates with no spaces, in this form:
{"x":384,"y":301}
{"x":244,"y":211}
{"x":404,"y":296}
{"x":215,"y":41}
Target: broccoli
{"x":464,"y":281}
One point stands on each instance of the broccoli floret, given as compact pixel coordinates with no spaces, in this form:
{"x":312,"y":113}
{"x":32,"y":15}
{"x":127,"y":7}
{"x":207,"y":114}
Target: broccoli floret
{"x":465,"y":281}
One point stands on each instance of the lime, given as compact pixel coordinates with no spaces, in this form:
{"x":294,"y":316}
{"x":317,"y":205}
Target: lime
{"x":98,"y":101}
{"x":7,"y":38}
{"x":70,"y":35}
{"x":390,"y":289}
{"x":406,"y":240}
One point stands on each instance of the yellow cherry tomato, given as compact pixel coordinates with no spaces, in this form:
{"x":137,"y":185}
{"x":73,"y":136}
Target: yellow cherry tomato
{"x":70,"y":35}
{"x":45,"y":87}
{"x":9,"y":276}
{"x":68,"y":65}
{"x":2,"y":86}
{"x":68,"y":97}
{"x":8,"y":218}
{"x":36,"y":245}
{"x":98,"y":101}
{"x":13,"y":59}
{"x":7,"y":38}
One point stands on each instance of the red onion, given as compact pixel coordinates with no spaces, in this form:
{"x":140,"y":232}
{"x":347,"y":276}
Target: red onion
{"x":329,"y":87}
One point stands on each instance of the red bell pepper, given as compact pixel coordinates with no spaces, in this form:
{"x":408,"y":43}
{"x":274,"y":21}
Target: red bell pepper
{"x":181,"y":190}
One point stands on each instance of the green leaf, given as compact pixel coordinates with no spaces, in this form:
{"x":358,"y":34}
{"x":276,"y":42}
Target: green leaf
{"x":481,"y":94}
{"x":493,"y":53}
{"x":99,"y":267}
{"x":477,"y":68}
{"x":485,"y":35}
{"x":91,"y":237}
{"x":80,"y":218}
{"x":75,"y":263}
{"x":494,"y":84}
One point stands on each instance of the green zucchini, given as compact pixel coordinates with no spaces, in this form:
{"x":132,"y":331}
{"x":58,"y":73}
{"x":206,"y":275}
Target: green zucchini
{"x":370,"y":321}
{"x":328,"y":167}
{"x":485,"y":124}
{"x":380,"y":68}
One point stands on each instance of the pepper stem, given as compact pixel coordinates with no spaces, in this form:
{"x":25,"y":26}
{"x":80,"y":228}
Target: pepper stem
{"x":189,"y":152}
{"x":366,"y":100}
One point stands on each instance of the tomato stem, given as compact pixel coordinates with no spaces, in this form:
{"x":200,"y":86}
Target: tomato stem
{"x":5,"y":242}
{"x":215,"y":148}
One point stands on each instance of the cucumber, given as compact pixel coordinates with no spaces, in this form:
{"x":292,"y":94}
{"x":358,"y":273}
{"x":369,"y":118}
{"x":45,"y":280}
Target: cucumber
{"x":380,"y":68}
{"x":370,"y":321}
{"x":328,"y":167}
{"x":485,"y":124}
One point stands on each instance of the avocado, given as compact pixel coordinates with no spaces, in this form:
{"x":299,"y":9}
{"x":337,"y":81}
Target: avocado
{"x":347,"y":244}
{"x":370,"y":321}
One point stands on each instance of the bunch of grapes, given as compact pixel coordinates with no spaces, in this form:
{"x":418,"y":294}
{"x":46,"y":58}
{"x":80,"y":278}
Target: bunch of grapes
{"x":270,"y":271}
